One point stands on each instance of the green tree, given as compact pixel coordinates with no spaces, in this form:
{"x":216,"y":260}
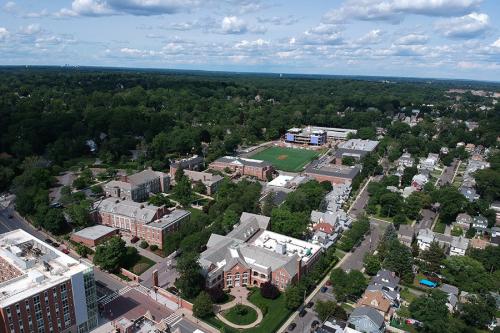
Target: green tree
{"x":110,"y":255}
{"x":54,"y":221}
{"x":285,"y":222}
{"x":159,"y":200}
{"x":325,"y":309}
{"x":407,"y":176}
{"x":478,"y":311}
{"x":452,"y":202}
{"x":190,"y":281}
{"x":79,"y":213}
{"x":293,"y":297}
{"x":468,"y":274}
{"x":399,"y":259}
{"x":487,"y":257}
{"x":390,"y":203}
{"x":347,"y":285}
{"x":182,"y":191}
{"x":348,"y":160}
{"x":433,"y":257}
{"x":203,"y":306}
{"x":431,"y":310}
{"x":372,"y":264}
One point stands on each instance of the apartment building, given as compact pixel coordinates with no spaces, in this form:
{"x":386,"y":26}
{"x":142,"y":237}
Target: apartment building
{"x":42,"y":289}
{"x":139,"y":186}
{"x":194,"y":163}
{"x":244,"y":166}
{"x":251,"y":255}
{"x":148,"y":222}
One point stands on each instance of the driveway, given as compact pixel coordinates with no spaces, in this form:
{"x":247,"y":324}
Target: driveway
{"x":447,"y":176}
{"x":428,"y":217}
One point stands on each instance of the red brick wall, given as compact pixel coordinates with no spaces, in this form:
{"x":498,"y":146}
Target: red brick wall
{"x":331,"y":179}
{"x":235,"y":270}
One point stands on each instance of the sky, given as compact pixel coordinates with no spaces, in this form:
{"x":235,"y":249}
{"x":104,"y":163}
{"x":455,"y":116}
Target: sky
{"x":405,"y":38}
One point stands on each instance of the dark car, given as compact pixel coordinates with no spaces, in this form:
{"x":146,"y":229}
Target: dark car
{"x":302,"y":313}
{"x":292,"y":326}
{"x":134,"y":240}
{"x":10,"y":216}
{"x":54,"y":244}
{"x":314,"y":323}
{"x":324,"y":289}
{"x":48,"y":241}
{"x":309,"y":305}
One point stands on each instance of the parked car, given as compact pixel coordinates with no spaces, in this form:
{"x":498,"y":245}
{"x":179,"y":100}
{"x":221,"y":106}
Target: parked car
{"x":324,"y":289}
{"x":292,"y":326}
{"x":328,"y":283}
{"x":302,"y":313}
{"x":54,"y":244}
{"x":309,"y":305}
{"x":134,"y":240}
{"x":314,"y":323}
{"x":65,"y":251}
{"x":48,"y":241}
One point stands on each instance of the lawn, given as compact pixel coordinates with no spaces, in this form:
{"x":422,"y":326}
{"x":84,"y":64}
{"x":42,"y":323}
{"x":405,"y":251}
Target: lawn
{"x":439,"y":227}
{"x":275,"y":314}
{"x":241,"y":314}
{"x":287,"y":159}
{"x":138,"y":264}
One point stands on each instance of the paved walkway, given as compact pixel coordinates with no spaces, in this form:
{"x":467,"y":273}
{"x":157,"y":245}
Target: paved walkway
{"x":240,"y":297}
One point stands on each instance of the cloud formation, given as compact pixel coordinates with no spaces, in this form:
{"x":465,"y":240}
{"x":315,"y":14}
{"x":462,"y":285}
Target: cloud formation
{"x":468,"y":26}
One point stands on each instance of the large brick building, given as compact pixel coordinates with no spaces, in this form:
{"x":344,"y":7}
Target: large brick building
{"x":325,"y":170}
{"x":244,"y":166}
{"x":42,"y":289}
{"x":148,"y":222}
{"x":139,"y":186}
{"x":251,"y":255}
{"x":194,"y":163}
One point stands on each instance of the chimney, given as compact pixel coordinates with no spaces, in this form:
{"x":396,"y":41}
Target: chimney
{"x":155,"y":278}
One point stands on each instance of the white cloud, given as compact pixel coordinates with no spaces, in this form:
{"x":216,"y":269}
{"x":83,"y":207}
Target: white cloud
{"x":468,"y":26}
{"x":131,"y":7}
{"x":394,"y":10}
{"x":372,"y":37}
{"x":233,"y":25}
{"x":31,"y":29}
{"x":4,"y":33}
{"x":278,"y":20}
{"x":258,"y":43}
{"x":412,"y":39}
{"x":42,"y":13}
{"x":10,"y":7}
{"x":496,"y":43}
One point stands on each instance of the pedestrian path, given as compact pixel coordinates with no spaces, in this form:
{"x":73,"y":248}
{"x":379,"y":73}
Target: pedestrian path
{"x":111,"y":297}
{"x":240,"y":298}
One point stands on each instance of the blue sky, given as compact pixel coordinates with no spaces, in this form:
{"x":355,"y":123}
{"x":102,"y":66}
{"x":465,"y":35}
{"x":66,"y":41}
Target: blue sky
{"x":419,"y":38}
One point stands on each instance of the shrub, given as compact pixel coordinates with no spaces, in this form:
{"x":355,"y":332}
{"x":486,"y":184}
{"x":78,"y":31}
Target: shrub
{"x":153,"y":247}
{"x":143,"y":244}
{"x":217,"y":295}
{"x":269,"y":290}
{"x":241,"y":310}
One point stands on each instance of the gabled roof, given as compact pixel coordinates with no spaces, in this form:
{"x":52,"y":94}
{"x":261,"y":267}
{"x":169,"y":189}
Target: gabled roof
{"x":449,"y":289}
{"x":386,"y":278}
{"x":367,"y":313}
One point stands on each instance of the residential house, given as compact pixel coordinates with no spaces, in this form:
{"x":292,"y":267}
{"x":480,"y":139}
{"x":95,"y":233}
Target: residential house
{"x":480,"y":224}
{"x":148,"y":222}
{"x":469,"y":193}
{"x":458,"y":246}
{"x":387,"y":279}
{"x":496,"y":207}
{"x":495,"y":235}
{"x":377,"y":301}
{"x":406,"y":233}
{"x":478,"y":243}
{"x":424,"y":239}
{"x":365,"y":319}
{"x":251,"y":255}
{"x":418,"y":181}
{"x":429,"y":163}
{"x":259,"y":169}
{"x":138,"y":186}
{"x":452,"y":293}
{"x":463,"y":221}
{"x":391,"y":295}
{"x":405,"y":161}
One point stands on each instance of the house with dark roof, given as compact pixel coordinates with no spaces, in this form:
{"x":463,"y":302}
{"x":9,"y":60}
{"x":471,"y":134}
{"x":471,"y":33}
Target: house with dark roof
{"x":376,"y":300}
{"x":480,"y":223}
{"x":138,"y":186}
{"x":387,"y":279}
{"x":452,"y":293}
{"x":366,"y":320}
{"x":406,"y":233}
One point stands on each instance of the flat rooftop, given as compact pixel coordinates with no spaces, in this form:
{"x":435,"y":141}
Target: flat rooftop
{"x":358,"y":144}
{"x":280,"y":181}
{"x":30,"y":266}
{"x":95,"y":232}
{"x":270,"y":240}
{"x":325,"y":167}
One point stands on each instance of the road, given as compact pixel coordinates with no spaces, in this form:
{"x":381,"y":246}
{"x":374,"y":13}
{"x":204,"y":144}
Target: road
{"x":448,"y":174}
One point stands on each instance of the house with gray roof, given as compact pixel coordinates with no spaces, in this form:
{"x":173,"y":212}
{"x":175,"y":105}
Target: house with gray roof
{"x":480,"y":223}
{"x":406,"y":233}
{"x":387,"y":279}
{"x":250,"y":255}
{"x":469,"y":193}
{"x":366,"y":320}
{"x":452,"y":293}
{"x":138,"y":186}
{"x":463,"y":221}
{"x":458,"y":246}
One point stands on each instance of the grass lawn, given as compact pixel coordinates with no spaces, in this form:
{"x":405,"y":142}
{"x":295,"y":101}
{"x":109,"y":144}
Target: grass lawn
{"x":286,"y":159}
{"x":275,"y":314}
{"x":138,"y":264}
{"x":339,"y":253}
{"x":241,"y":314}
{"x":439,"y":227}
{"x":407,"y":295}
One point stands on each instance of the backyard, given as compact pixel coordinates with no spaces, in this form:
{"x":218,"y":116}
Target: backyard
{"x":137,"y":264}
{"x":287,"y":159}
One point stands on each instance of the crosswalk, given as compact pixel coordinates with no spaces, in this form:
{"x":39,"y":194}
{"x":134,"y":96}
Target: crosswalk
{"x":172,"y":319}
{"x":111,"y":297}
{"x":143,"y":290}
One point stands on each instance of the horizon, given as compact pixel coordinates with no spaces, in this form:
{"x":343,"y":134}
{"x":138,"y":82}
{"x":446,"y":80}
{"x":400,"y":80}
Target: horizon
{"x":445,"y":39}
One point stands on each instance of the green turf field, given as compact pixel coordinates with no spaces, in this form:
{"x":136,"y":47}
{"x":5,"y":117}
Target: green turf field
{"x":286,"y":159}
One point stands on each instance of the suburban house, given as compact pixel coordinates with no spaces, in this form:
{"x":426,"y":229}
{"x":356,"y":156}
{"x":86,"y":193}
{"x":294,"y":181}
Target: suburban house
{"x":386,"y":279}
{"x":194,"y":163}
{"x":366,"y":320}
{"x":496,"y":207}
{"x":251,"y":255}
{"x":261,"y":170}
{"x":138,"y":186}
{"x":148,"y":222}
{"x":377,"y":301}
{"x":495,"y":235}
{"x":418,"y":181}
{"x":478,"y":243}
{"x":406,"y":233}
{"x":469,"y":193}
{"x":452,"y":245}
{"x":480,"y":223}
{"x":210,"y":181}
{"x":391,"y":295}
{"x":355,"y":148}
{"x":463,"y":221}
{"x":405,"y":161}
{"x":429,"y":163}
{"x":452,"y":293}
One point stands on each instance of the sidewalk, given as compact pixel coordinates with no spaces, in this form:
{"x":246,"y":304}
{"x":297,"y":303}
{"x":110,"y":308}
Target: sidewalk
{"x":240,"y":297}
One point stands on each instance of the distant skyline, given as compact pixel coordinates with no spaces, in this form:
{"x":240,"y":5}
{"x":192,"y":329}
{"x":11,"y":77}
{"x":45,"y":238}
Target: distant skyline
{"x":405,"y":38}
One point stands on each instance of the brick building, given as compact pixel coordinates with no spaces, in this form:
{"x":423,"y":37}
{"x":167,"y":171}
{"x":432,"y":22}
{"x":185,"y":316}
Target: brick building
{"x":93,"y":236}
{"x":210,"y":181}
{"x":324,"y":170}
{"x":194,"y":163}
{"x":251,"y":255}
{"x":148,"y":222}
{"x":244,"y":166}
{"x":139,"y":186}
{"x":42,"y":289}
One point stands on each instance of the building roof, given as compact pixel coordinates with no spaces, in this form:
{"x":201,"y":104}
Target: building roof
{"x":170,"y":218}
{"x":332,"y":170}
{"x":449,"y":289}
{"x":142,"y":177}
{"x":280,"y":181}
{"x":144,"y":213}
{"x":376,"y":300}
{"x":478,"y":243}
{"x":324,"y":217}
{"x":386,"y":278}
{"x":464,"y":218}
{"x":37,"y":266}
{"x":118,"y":183}
{"x":460,"y":242}
{"x":187,"y":162}
{"x":388,"y":293}
{"x":359,"y":144}
{"x":95,"y":232}
{"x":406,"y":231}
{"x":425,"y":235}
{"x":240,"y":161}
{"x":369,"y":313}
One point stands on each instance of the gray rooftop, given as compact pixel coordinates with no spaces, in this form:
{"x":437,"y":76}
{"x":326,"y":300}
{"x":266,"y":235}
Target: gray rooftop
{"x":386,"y":278}
{"x":95,"y":232}
{"x":460,"y":242}
{"x":170,"y":218}
{"x":332,"y":170}
{"x":243,"y":161}
{"x":372,"y":314}
{"x":142,"y":177}
{"x":449,"y":289}
{"x":406,"y":231}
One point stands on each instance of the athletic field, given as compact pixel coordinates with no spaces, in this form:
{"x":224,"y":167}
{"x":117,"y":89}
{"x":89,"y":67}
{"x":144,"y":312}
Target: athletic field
{"x":286,"y":159}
